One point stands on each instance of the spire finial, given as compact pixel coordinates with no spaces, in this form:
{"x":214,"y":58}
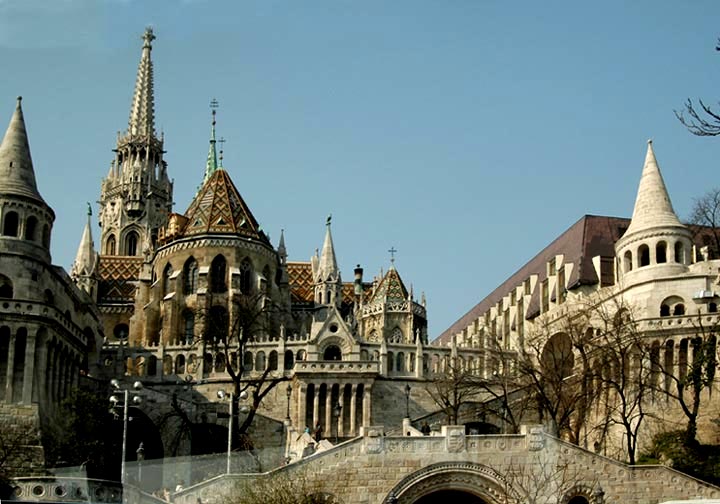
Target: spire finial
{"x":392,"y":251}
{"x":19,"y":101}
{"x":222,"y":142}
{"x":329,"y":220}
{"x":148,"y":37}
{"x":89,"y":212}
{"x":212,"y":160}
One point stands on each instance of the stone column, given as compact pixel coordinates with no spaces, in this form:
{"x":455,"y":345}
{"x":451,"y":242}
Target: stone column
{"x":29,"y":371}
{"x":328,"y":409}
{"x":10,"y":368}
{"x":367,"y":407}
{"x":316,"y":405}
{"x":353,"y":407}
{"x":343,"y":411}
{"x":301,"y":408}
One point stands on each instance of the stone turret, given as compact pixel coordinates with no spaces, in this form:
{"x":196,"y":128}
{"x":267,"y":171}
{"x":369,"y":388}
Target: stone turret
{"x":326,"y":275}
{"x":84,"y":269}
{"x":25,"y":217}
{"x":136,"y":196}
{"x":656,"y":243}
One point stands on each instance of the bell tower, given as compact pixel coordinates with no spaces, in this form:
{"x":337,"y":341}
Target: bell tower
{"x":136,"y":195}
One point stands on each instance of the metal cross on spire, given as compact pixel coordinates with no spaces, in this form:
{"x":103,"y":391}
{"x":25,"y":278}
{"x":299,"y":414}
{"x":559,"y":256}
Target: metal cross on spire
{"x":392,"y":251}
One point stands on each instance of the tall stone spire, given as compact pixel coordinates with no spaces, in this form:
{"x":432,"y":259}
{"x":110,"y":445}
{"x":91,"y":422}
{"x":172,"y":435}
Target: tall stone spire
{"x":212,"y":159}
{"x":142,"y":113}
{"x":652,"y":205}
{"x":17,"y":175}
{"x":136,"y":196}
{"x":84,"y":268}
{"x":327,"y":268}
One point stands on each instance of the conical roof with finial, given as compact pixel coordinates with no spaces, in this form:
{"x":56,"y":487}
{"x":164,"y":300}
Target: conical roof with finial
{"x":219,"y":208}
{"x":391,"y":288}
{"x":142,"y":113}
{"x":652,"y":206}
{"x":17,"y":175}
{"x":86,"y":257}
{"x":327,"y":265}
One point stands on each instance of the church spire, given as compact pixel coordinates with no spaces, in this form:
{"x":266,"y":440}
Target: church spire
{"x":84,"y":268}
{"x":327,"y":268}
{"x":17,"y":175}
{"x":212,"y":159}
{"x":142,"y":113}
{"x":652,"y":205}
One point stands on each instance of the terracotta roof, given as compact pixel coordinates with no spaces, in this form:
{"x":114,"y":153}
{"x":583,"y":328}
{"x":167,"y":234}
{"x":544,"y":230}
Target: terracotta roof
{"x":391,"y":288}
{"x":219,"y":208}
{"x":301,"y":285}
{"x":117,"y":277}
{"x":589,"y":237}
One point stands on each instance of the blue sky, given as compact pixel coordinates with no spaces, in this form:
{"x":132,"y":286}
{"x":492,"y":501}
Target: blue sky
{"x":466,"y":134}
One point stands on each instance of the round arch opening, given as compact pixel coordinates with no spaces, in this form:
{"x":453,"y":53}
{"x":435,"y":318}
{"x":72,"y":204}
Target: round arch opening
{"x":332,"y":353}
{"x":454,"y":496}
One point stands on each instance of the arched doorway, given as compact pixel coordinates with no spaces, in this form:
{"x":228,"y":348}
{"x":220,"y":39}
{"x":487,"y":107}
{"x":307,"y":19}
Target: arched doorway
{"x":332,"y":353}
{"x":456,"y":482}
{"x":454,"y":496}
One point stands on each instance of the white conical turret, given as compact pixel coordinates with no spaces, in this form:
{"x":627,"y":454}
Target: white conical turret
{"x":84,"y":269}
{"x":326,"y":275}
{"x":656,"y":243}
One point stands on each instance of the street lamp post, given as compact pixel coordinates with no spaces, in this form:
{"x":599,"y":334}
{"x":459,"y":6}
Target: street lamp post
{"x":337,"y":410}
{"x":288,"y":391}
{"x":407,"y":400}
{"x":140,"y":453}
{"x":114,"y":400}
{"x":222,"y":395}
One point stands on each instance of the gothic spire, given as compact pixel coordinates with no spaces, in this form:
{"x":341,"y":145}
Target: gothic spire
{"x":652,"y":205}
{"x":327,"y":268}
{"x":86,"y":257}
{"x":17,"y":175}
{"x":212,"y":159}
{"x":142,"y":113}
{"x":282,"y":251}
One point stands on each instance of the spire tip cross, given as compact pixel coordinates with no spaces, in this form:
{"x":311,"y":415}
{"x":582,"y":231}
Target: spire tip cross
{"x":392,"y":251}
{"x":148,"y":36}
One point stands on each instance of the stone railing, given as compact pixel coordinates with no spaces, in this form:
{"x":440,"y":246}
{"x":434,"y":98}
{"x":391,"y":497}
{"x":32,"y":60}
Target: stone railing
{"x":337,"y":366}
{"x":75,"y":489}
{"x":25,"y":308}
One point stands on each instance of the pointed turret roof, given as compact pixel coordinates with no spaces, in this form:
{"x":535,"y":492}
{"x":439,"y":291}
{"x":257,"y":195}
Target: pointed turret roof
{"x":17,"y":175}
{"x":212,"y":159}
{"x":219,"y":208}
{"x":86,"y":257}
{"x":142,"y":113}
{"x":282,"y":251}
{"x":327,"y":266}
{"x":652,"y":205}
{"x":391,"y":288}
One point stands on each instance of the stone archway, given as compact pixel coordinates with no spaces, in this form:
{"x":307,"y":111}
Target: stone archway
{"x":457,"y":482}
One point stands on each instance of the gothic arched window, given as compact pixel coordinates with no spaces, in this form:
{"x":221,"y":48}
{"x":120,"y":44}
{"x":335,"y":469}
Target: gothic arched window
{"x":396,"y":336}
{"x":268,"y":282}
{"x":189,"y":326}
{"x":131,"y":243}
{"x":246,"y":271}
{"x":167,"y":280}
{"x":10,"y":227}
{"x":190,"y":276}
{"x":218,"y":269}
{"x":110,"y":245}
{"x":6,"y":287}
{"x":218,"y":324}
{"x":30,"y":227}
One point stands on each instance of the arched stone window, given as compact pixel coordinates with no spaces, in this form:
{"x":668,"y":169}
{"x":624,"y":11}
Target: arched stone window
{"x":364,"y":355}
{"x":48,"y":297}
{"x":152,"y":365}
{"x":679,"y":253}
{"x":289,"y":360}
{"x":46,"y":236}
{"x":712,"y":308}
{"x":679,"y":309}
{"x":397,"y":335}
{"x":190,"y":276}
{"x":246,"y":273}
{"x":121,"y":331}
{"x":167,"y":281}
{"x":579,"y":499}
{"x":661,"y":252}
{"x":188,"y":327}
{"x":390,"y":361}
{"x":332,"y":353}
{"x":627,"y":261}
{"x":400,"y":360}
{"x":6,"y":287}
{"x":248,"y":361}
{"x":218,"y":325}
{"x":300,"y":356}
{"x":131,"y":244}
{"x":30,"y":228}
{"x":110,"y":245}
{"x":260,"y":361}
{"x":180,"y":364}
{"x":664,"y":310}
{"x":219,"y":362}
{"x":10,"y":226}
{"x":268,"y":281}
{"x":273,"y":361}
{"x":218,"y":274}
{"x":644,"y":254}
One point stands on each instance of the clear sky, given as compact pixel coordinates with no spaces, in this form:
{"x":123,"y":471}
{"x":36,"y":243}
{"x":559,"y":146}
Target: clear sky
{"x":466,"y":134}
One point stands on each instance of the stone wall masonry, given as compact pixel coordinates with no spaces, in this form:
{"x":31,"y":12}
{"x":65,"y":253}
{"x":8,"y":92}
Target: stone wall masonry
{"x":365,"y":470}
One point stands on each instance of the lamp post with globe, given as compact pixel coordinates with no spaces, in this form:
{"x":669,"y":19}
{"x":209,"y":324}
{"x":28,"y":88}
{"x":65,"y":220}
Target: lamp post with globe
{"x":115,"y":402}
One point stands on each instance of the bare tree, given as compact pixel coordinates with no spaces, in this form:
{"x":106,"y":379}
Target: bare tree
{"x":251,"y":316}
{"x":702,"y":121}
{"x":18,"y":447}
{"x":281,"y":488}
{"x":452,"y":389}
{"x":704,"y":221}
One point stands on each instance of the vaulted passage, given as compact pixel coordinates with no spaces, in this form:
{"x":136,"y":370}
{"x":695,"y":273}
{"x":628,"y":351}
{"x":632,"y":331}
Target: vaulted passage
{"x":446,"y":496}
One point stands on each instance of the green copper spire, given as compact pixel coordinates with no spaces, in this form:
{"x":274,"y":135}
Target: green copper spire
{"x":212,"y":160}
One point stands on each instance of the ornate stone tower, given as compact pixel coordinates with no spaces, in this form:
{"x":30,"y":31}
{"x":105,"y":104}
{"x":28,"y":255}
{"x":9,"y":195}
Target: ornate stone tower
{"x":326,"y":275}
{"x":136,"y":196}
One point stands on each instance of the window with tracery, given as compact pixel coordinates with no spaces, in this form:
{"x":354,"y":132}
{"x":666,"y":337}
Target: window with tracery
{"x":190,"y":276}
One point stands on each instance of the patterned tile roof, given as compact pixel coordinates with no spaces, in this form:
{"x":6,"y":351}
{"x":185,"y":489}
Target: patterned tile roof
{"x":219,"y":208}
{"x":301,"y":284}
{"x":117,"y":277}
{"x":391,"y":288}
